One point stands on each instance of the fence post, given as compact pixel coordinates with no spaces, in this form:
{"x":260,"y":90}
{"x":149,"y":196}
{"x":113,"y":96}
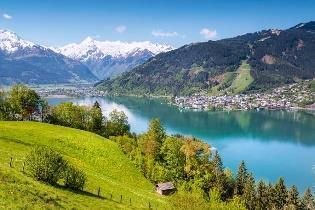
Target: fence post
{"x":120,"y":198}
{"x":11,"y":162}
{"x":149,"y":205}
{"x":130,"y":201}
{"x":111,"y":196}
{"x":23,"y":166}
{"x":99,"y":191}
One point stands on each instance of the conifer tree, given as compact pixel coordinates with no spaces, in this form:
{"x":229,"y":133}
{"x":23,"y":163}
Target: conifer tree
{"x":280,"y":194}
{"x":241,"y":179}
{"x":217,"y":164}
{"x":293,"y":198}
{"x":271,"y":196}
{"x":249,"y":192}
{"x":262,"y":200}
{"x":308,"y":200}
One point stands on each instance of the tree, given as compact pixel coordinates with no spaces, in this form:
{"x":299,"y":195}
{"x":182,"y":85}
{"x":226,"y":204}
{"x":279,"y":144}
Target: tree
{"x":241,"y":179}
{"x":45,"y":164}
{"x":70,"y":115}
{"x":293,"y":198}
{"x":262,"y":200}
{"x":219,"y":179}
{"x":156,"y":131}
{"x":96,"y":105}
{"x":271,"y":196}
{"x":149,"y":147}
{"x":173,"y":158}
{"x":73,"y":178}
{"x":197,"y":156}
{"x":43,"y":109}
{"x":24,"y":102}
{"x":188,"y":200}
{"x":4,"y":107}
{"x":152,"y":140}
{"x":217,"y":165}
{"x":249,"y":192}
{"x":96,"y":123}
{"x":308,"y":200}
{"x":118,"y":124}
{"x":281,"y":194}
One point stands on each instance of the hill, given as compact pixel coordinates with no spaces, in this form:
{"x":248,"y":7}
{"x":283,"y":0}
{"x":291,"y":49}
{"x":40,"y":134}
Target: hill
{"x":22,"y":61}
{"x":275,"y":57}
{"x":102,"y":160}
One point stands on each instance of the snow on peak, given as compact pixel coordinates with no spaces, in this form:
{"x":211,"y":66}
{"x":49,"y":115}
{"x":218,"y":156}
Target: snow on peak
{"x":276,"y":31}
{"x":11,"y":42}
{"x":300,"y":25}
{"x":93,"y":49}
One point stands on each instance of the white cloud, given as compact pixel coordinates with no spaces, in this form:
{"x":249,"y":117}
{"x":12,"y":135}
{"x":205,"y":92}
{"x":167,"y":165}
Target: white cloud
{"x":121,"y":29}
{"x":164,"y":34}
{"x":208,"y":34}
{"x":7,"y":16}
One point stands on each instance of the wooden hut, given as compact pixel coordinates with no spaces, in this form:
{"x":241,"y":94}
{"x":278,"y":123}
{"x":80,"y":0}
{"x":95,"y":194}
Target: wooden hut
{"x":165,"y":188}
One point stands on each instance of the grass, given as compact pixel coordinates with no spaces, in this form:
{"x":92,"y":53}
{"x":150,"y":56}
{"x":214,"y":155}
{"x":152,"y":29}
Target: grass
{"x":243,"y":78}
{"x":220,"y":89}
{"x":234,"y":82}
{"x":102,"y":160}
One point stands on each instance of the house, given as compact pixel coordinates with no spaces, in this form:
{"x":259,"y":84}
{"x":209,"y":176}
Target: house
{"x":165,"y":188}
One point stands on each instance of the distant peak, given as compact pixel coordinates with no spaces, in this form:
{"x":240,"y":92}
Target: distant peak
{"x":88,"y":40}
{"x":11,"y":42}
{"x":8,"y":33}
{"x":90,"y":48}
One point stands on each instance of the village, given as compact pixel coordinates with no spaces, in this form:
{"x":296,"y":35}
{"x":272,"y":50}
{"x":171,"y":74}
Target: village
{"x":297,"y":95}
{"x":69,"y":91}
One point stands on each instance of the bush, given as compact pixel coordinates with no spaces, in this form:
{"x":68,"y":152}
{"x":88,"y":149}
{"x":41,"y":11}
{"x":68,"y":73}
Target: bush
{"x":74,"y":178}
{"x":45,"y":164}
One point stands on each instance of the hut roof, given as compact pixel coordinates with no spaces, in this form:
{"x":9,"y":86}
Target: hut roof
{"x":165,"y":186}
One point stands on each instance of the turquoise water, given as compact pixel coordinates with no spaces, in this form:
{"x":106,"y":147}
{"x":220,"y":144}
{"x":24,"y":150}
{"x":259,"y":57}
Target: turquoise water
{"x":272,"y":143}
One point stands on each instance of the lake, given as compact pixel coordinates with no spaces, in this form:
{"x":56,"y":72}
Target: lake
{"x":272,"y":143}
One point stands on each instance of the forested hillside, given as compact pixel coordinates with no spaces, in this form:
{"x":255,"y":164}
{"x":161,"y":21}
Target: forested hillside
{"x":275,"y":57}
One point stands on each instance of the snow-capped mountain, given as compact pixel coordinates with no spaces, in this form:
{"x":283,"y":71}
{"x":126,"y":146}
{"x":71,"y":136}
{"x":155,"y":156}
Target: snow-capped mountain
{"x":10,"y":42}
{"x":24,"y":61}
{"x":108,"y":58}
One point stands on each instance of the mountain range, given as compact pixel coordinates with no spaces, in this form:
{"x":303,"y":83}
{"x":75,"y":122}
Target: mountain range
{"x":250,"y":62}
{"x":107,"y":59}
{"x":23,"y":61}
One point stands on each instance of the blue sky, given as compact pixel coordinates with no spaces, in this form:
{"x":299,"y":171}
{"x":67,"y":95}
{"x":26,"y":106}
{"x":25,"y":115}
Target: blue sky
{"x":176,"y":22}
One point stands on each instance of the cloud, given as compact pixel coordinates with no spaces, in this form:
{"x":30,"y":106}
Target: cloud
{"x":164,"y":34}
{"x":208,"y":34}
{"x":7,"y":16}
{"x":121,"y":29}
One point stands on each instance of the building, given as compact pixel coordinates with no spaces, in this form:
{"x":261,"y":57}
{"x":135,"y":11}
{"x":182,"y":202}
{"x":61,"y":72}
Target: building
{"x":165,"y":188}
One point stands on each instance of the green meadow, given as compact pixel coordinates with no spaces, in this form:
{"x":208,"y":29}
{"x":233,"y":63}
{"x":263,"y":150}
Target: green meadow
{"x":102,"y":160}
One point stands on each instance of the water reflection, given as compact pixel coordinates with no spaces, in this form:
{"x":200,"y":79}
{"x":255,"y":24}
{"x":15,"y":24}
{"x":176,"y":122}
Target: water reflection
{"x":298,"y":127}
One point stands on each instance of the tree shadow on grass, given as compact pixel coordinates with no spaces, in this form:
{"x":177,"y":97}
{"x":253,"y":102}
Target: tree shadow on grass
{"x":80,"y":192}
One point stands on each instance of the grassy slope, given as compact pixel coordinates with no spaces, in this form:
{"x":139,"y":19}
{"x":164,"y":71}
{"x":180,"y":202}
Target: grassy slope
{"x":228,"y":78}
{"x":232,"y":83}
{"x":106,"y":167}
{"x":243,"y":79}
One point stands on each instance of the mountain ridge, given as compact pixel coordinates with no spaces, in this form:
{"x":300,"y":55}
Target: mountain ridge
{"x":275,"y":57}
{"x":22,"y":61}
{"x":110,"y":58}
